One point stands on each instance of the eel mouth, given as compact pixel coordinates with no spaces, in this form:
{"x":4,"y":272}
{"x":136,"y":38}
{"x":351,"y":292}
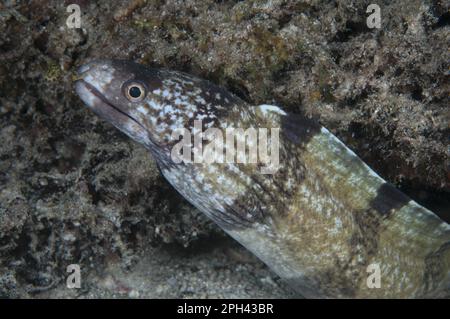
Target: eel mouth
{"x":96,"y":101}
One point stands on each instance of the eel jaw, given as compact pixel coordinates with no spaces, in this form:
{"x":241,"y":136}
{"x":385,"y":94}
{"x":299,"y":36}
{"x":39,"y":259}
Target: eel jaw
{"x":97,"y":102}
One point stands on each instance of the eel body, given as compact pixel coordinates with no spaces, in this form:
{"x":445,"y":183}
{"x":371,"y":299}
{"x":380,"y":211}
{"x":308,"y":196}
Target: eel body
{"x":322,"y":220}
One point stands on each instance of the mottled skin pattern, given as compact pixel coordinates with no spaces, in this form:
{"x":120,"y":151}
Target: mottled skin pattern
{"x":318,"y":221}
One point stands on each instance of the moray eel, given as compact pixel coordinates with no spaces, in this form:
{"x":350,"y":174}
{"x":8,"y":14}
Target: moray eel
{"x":321,"y":220}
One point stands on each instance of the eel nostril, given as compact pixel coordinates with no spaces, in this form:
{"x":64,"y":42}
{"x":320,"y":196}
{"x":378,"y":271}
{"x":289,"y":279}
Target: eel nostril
{"x":84,"y":68}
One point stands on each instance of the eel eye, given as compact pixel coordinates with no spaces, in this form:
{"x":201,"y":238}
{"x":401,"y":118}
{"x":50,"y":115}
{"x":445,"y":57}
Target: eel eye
{"x":135,"y":91}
